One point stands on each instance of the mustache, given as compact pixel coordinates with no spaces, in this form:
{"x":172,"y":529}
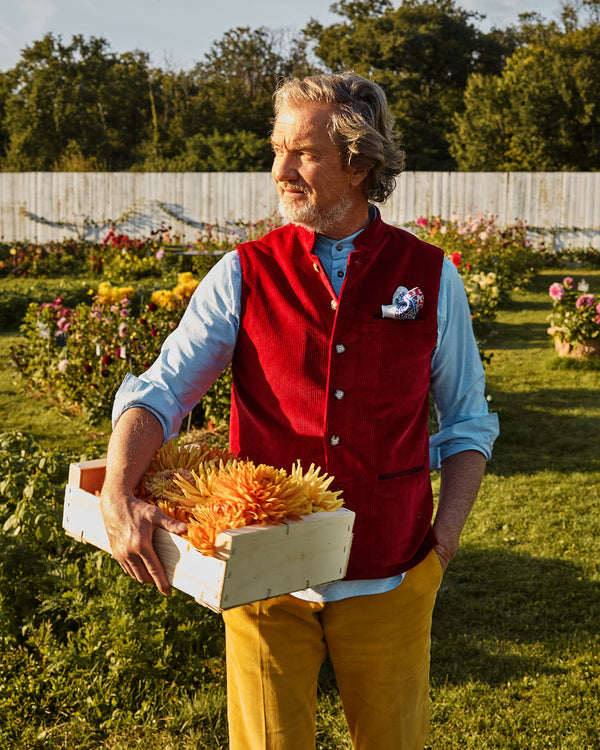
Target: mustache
{"x":299,"y":186}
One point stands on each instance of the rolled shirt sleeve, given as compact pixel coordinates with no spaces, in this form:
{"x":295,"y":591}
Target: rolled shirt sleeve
{"x":193,"y":355}
{"x":458,"y":378}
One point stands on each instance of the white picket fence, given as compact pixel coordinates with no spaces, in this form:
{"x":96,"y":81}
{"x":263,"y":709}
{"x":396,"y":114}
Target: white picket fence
{"x":564,"y":207}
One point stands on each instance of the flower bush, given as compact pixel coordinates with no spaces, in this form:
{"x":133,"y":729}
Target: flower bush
{"x":44,"y":261}
{"x":481,"y":245}
{"x":81,"y":355}
{"x":575,"y":316}
{"x":490,"y":259}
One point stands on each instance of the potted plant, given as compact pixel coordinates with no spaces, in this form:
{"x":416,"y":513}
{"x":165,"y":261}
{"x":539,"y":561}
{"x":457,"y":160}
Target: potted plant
{"x":574,"y":320}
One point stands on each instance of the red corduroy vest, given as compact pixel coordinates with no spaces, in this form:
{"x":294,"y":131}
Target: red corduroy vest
{"x":332,"y":382}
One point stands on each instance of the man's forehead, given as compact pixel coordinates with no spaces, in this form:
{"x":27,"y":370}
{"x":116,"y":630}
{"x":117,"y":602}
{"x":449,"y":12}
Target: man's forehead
{"x":308,"y":120}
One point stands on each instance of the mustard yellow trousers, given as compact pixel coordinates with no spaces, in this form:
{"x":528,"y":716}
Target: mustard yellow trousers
{"x":380,"y":650}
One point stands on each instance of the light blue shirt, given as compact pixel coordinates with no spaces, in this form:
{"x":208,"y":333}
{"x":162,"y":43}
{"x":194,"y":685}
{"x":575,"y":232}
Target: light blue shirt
{"x":202,"y":346}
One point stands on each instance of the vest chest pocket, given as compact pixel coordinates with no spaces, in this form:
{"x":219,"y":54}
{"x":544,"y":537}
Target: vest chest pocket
{"x":402,"y":473}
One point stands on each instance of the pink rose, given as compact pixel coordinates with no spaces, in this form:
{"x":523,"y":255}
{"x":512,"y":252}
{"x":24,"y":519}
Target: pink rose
{"x":556,"y":291}
{"x":586,"y":300}
{"x":568,"y":282}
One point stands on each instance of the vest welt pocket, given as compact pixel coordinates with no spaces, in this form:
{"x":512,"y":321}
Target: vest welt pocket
{"x":379,"y":316}
{"x":404,"y":473}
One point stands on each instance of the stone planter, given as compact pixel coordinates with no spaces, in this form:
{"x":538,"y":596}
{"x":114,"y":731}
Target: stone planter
{"x":577,"y":350}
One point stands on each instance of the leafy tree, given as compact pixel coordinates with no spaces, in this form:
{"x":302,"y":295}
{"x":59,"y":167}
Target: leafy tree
{"x":75,"y":101}
{"x":241,"y":151}
{"x":237,"y":80}
{"x":422,"y":53}
{"x":542,"y":113}
{"x":217,"y":117}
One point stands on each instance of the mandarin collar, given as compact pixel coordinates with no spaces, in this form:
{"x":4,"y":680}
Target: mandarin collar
{"x":365,"y":240}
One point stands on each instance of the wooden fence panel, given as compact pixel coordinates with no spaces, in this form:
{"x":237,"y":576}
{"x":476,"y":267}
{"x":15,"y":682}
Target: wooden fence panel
{"x":44,"y":206}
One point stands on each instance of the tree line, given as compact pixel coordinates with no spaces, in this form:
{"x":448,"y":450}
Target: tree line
{"x":524,"y":97}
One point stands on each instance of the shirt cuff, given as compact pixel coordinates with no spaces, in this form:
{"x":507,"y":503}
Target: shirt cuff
{"x":476,"y":434}
{"x":135,"y":391}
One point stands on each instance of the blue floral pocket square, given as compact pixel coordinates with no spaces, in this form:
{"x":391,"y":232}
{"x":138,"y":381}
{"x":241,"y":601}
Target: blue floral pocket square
{"x":406,"y":304}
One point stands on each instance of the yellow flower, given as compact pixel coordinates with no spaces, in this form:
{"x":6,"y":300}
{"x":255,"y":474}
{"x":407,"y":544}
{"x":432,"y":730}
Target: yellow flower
{"x":164,"y":298}
{"x":314,"y":487}
{"x":212,"y":491}
{"x":110,"y":295}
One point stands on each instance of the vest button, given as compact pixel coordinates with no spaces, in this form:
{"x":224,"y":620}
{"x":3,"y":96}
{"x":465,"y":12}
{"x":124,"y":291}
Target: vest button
{"x":340,"y":348}
{"x":334,"y":440}
{"x":334,"y":304}
{"x":316,"y":267}
{"x":339,"y":394}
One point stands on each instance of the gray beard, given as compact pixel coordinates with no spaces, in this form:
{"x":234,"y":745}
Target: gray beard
{"x":309,"y":217}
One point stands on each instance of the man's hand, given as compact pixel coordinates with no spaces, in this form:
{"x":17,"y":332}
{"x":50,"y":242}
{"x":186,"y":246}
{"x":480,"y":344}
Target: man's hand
{"x":130,"y":522}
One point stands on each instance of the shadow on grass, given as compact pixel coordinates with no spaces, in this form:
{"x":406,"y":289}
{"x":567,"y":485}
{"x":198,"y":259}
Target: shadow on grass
{"x":526,"y":305}
{"x":519,"y":336}
{"x":495,"y":605}
{"x":538,"y":432}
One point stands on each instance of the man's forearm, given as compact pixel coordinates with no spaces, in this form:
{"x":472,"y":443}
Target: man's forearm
{"x":135,"y":440}
{"x":461,"y":477}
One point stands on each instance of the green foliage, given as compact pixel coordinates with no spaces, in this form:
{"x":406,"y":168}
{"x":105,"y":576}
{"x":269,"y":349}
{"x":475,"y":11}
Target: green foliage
{"x":522,"y":97}
{"x":422,"y":54}
{"x":52,"y":259}
{"x":216,"y":403}
{"x":81,"y":355}
{"x":541,"y":113}
{"x":75,"y":101}
{"x":80,"y":107}
{"x":242,"y":151}
{"x":109,"y":652}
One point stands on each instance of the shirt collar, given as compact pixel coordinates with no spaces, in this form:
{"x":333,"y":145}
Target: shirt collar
{"x":326,"y":244}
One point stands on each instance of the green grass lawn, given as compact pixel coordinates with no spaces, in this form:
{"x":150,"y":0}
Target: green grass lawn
{"x":39,"y":416}
{"x":516,"y":635}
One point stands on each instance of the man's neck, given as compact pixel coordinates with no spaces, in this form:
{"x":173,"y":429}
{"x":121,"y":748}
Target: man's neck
{"x":354,"y":221}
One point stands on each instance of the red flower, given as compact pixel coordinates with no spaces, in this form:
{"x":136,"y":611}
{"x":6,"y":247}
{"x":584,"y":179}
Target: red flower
{"x":456,"y":258}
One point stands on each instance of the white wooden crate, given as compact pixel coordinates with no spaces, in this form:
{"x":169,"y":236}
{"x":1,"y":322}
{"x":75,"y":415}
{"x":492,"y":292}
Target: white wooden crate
{"x":254,"y":563}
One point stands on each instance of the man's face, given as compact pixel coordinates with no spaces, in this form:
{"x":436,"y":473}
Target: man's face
{"x":315,"y":190}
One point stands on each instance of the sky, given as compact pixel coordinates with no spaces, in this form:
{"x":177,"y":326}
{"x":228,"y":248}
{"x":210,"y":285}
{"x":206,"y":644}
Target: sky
{"x":178,"y":33}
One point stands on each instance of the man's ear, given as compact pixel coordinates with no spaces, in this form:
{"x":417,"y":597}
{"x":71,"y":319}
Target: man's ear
{"x":357,"y":176}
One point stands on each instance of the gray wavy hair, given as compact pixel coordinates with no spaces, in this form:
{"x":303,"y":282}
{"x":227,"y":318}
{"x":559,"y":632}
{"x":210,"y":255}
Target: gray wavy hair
{"x":361,"y":126}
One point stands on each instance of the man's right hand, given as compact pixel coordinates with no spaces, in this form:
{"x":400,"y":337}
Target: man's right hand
{"x":130,"y":524}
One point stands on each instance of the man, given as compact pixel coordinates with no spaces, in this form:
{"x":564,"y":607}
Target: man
{"x":337,"y":327}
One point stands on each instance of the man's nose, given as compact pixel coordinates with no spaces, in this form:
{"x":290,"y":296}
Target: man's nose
{"x":284,"y":168}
